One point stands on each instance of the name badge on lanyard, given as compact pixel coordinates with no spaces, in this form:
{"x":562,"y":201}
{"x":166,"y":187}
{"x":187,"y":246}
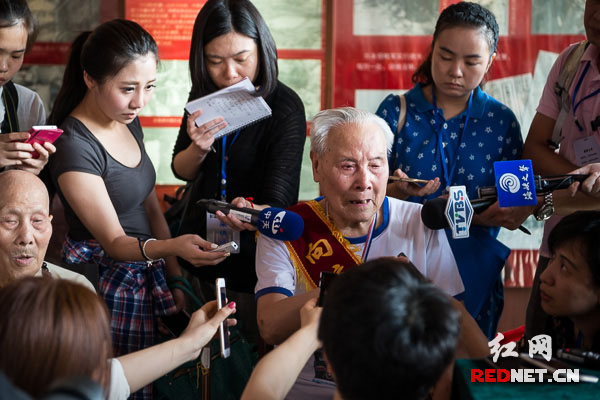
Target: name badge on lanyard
{"x":216,"y":231}
{"x":587,"y":150}
{"x":220,"y":233}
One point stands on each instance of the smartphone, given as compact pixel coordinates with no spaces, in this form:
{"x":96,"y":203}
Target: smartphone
{"x":41,"y":135}
{"x":223,"y":330}
{"x":409,"y":180}
{"x":326,"y":278}
{"x":176,"y":323}
{"x":231,"y":247}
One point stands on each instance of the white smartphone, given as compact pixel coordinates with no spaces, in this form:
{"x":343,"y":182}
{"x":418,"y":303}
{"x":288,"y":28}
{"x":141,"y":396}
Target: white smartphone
{"x":231,"y":247}
{"x":223,"y":330}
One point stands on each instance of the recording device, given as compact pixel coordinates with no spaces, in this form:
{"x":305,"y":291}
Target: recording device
{"x":326,"y":278}
{"x":223,"y":329}
{"x":433,"y":211}
{"x":230,"y":247}
{"x":393,"y":178}
{"x":272,"y":222}
{"x":543,"y":185}
{"x":587,"y":359}
{"x":176,"y":323}
{"x":41,"y":135}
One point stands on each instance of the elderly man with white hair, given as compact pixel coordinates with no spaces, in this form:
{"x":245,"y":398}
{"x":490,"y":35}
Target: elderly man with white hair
{"x":25,"y":229}
{"x":352,"y":222}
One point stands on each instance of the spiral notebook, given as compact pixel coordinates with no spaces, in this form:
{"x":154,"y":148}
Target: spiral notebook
{"x":239,"y":104}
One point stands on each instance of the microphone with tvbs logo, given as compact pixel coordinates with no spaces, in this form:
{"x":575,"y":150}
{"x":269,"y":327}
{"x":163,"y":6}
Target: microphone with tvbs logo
{"x":515,"y":186}
{"x":272,"y":222}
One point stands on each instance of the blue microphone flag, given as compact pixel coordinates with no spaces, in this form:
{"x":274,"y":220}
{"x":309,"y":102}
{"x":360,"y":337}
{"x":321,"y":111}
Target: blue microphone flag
{"x":515,"y":184}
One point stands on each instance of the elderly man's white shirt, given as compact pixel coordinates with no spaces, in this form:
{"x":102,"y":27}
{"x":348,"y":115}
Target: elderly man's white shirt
{"x":63,"y":273}
{"x":402,"y":231}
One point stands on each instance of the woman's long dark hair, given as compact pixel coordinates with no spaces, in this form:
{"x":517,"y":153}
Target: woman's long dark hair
{"x":220,"y":17}
{"x":463,"y":14}
{"x":101,"y":53}
{"x":13,"y":12}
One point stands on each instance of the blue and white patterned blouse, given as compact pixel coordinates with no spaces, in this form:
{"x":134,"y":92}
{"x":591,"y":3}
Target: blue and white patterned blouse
{"x":493,"y":134}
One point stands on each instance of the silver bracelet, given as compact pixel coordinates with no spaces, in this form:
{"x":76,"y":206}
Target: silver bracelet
{"x":144,"y":250}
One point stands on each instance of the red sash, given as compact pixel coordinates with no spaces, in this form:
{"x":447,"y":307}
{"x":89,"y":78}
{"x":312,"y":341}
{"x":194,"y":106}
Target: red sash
{"x":320,"y":248}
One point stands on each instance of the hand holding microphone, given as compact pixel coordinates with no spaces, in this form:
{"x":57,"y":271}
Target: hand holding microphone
{"x":237,"y":219}
{"x":591,"y":184}
{"x":273,"y":222}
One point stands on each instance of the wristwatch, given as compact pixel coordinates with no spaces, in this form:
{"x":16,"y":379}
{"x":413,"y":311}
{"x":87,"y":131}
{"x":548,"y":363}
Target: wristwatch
{"x":547,"y":208}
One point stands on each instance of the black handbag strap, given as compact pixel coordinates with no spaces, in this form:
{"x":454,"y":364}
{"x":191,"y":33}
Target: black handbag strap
{"x":10,"y":99}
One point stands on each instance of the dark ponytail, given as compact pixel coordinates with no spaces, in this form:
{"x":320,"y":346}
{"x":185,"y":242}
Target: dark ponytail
{"x":101,"y":53}
{"x":73,"y":86}
{"x":463,"y":14}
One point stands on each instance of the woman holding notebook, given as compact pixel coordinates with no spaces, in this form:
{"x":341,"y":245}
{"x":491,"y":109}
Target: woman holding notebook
{"x":256,"y":166}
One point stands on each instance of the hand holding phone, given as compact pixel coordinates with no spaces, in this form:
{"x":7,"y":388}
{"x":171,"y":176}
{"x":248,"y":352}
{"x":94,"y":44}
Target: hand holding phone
{"x":41,"y":135}
{"x":231,"y":247}
{"x":223,"y":329}
{"x":394,"y":178}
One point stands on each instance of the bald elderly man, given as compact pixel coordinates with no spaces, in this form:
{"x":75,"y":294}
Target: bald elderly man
{"x":25,"y":229}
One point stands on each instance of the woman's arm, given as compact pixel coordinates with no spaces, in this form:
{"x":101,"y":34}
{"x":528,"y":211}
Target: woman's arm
{"x":88,"y":197}
{"x":160,"y":230}
{"x":278,"y":315}
{"x":545,"y":160}
{"x":275,"y":374}
{"x":145,"y":366}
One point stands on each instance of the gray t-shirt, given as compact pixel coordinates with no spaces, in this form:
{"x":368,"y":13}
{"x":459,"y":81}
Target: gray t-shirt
{"x":79,"y":150}
{"x":30,"y":111}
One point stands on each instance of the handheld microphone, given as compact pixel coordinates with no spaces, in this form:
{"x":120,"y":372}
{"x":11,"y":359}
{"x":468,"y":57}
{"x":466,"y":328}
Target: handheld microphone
{"x":273,"y":222}
{"x":433,"y":211}
{"x":543,"y":184}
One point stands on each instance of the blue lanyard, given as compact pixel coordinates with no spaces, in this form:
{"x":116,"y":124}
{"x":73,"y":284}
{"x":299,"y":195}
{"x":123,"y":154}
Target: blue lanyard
{"x":574,"y":105}
{"x":369,"y":240}
{"x":224,"y":155}
{"x":449,"y":174}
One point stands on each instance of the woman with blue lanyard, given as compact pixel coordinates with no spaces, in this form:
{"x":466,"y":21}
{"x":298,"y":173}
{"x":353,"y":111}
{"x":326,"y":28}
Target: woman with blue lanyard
{"x":257,"y":166}
{"x":452,"y":134}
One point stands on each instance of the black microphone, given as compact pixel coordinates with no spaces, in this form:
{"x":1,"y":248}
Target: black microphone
{"x":273,"y":222}
{"x":543,"y":184}
{"x":433,"y":212}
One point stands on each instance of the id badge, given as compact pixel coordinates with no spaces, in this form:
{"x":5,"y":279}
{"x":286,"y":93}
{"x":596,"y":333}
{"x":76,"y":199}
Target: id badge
{"x":220,"y":233}
{"x":587,"y":150}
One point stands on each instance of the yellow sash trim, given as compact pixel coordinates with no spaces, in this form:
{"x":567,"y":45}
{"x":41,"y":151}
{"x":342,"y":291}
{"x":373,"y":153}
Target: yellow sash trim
{"x":302,"y":275}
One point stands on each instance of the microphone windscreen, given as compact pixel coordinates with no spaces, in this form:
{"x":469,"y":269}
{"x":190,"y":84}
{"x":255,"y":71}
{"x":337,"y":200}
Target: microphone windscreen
{"x":280,"y":224}
{"x":433,"y":214}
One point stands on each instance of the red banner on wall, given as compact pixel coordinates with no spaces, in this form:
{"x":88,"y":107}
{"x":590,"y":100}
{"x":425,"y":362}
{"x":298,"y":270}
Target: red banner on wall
{"x":169,"y":22}
{"x":388,"y":62}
